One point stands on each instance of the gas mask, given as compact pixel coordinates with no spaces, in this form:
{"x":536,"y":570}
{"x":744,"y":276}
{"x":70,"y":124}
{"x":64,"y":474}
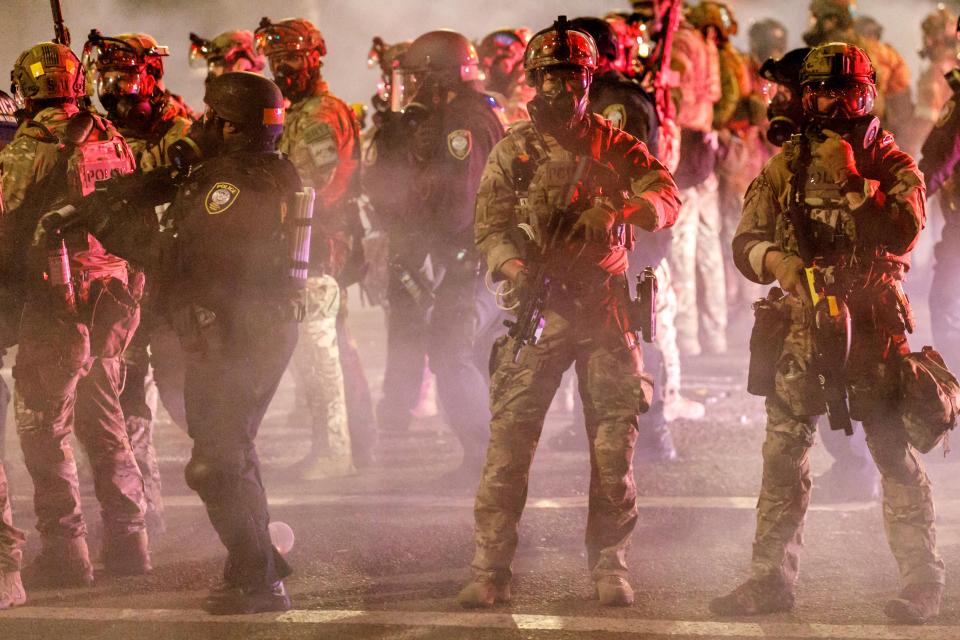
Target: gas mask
{"x":562,"y":97}
{"x":121,"y":93}
{"x":295,"y":81}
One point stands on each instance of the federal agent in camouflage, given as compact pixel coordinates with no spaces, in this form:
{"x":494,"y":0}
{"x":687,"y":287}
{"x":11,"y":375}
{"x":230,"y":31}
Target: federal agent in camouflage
{"x":866,"y":209}
{"x":526,"y":181}
{"x":68,"y":368}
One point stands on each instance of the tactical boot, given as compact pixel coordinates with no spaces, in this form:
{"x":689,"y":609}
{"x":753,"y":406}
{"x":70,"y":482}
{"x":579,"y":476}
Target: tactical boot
{"x":127,"y":554}
{"x":614,"y":591}
{"x":63,"y":562}
{"x":754,"y":597}
{"x":483,"y":593}
{"x":917,"y":604}
{"x":228,"y":599}
{"x":11,"y":590}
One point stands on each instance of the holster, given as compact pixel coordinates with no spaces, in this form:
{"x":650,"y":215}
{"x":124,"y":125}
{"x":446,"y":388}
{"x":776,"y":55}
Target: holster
{"x":770,"y":326}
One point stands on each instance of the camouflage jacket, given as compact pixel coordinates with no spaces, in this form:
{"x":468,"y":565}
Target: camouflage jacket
{"x":151,"y":148}
{"x":883,"y":222}
{"x":501,"y":204}
{"x":697,"y":65}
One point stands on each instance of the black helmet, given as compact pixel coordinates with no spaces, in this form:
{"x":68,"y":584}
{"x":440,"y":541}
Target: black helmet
{"x":603,"y":34}
{"x":250,"y":101}
{"x":447,"y":55}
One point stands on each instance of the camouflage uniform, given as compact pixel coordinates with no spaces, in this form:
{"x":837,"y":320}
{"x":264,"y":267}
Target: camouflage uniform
{"x":883,"y":228}
{"x":68,"y":372}
{"x":321,"y":138}
{"x":585,"y":325}
{"x":11,"y":538}
{"x":696,"y":257}
{"x":151,"y":149}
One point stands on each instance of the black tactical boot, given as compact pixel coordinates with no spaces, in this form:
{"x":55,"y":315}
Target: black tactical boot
{"x":127,"y":554}
{"x":228,"y":599}
{"x":483,"y":592}
{"x":755,"y":597}
{"x":917,"y":604}
{"x":63,"y":562}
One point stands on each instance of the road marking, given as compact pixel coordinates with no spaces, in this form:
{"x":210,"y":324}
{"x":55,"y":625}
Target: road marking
{"x":438,"y":619}
{"x":454,"y":502}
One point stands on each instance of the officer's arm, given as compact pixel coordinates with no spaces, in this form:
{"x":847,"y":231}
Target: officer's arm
{"x":316,"y":152}
{"x":496,"y":200}
{"x":941,"y":150}
{"x":892,"y":212}
{"x":755,"y":234}
{"x":653,"y":200}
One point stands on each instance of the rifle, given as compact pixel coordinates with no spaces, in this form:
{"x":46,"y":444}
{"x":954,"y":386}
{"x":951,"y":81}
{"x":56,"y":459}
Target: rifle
{"x":530,"y":323}
{"x":60,"y":30}
{"x":661,"y":65}
{"x":831,"y":325}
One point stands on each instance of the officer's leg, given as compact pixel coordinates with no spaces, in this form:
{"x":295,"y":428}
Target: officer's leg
{"x":406,"y":359}
{"x":908,"y":512}
{"x":166,"y":356}
{"x":461,"y":385}
{"x":360,"y":420}
{"x":318,"y":364}
{"x":229,"y":388}
{"x":711,"y":284}
{"x":117,"y":480}
{"x":520,"y":394}
{"x":138,"y":419}
{"x":683,"y":253}
{"x":615,"y":391}
{"x":784,"y":494}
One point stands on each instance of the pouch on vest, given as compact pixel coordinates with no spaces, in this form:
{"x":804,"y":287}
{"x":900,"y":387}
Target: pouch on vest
{"x":770,"y":326}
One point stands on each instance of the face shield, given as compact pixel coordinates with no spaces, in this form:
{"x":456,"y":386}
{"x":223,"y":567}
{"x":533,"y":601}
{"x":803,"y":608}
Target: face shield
{"x":838,"y":98}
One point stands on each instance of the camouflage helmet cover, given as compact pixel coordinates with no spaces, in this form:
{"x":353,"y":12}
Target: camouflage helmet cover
{"x":228,"y":47}
{"x":291,"y":34}
{"x":714,"y":14}
{"x":48,"y":71}
{"x":837,"y":60}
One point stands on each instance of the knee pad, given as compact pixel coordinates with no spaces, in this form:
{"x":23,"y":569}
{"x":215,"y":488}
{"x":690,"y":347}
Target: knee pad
{"x":201,"y":475}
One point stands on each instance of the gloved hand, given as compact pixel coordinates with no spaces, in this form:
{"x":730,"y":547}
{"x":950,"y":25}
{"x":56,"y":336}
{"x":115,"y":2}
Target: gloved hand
{"x":787,"y":268}
{"x":595,"y":223}
{"x":835,"y":156}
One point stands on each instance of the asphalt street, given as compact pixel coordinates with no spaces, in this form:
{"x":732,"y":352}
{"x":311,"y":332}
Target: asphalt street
{"x":383,"y":553}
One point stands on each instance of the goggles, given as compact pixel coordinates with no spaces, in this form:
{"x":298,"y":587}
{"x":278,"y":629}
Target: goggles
{"x":839,"y":96}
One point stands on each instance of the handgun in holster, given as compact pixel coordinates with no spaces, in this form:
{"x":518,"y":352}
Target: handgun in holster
{"x":643,"y":308}
{"x":771,"y":322}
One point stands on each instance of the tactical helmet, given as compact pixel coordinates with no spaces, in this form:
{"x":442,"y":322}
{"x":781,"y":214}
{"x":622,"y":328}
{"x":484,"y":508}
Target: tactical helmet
{"x":245,"y":98}
{"x":841,"y":71}
{"x":386,"y":56}
{"x":47,"y":71}
{"x":124,"y":51}
{"x":604,"y":36}
{"x":939,"y":30}
{"x":226,"y":50}
{"x":445,"y":54}
{"x":768,"y":38}
{"x":548,"y":49}
{"x":503,"y":42}
{"x":841,"y":9}
{"x":291,"y":34}
{"x":714,"y":14}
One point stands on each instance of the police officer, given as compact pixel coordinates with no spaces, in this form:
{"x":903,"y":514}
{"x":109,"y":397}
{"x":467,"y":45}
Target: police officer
{"x":223,"y":268}
{"x":501,"y":61}
{"x":68,"y":367}
{"x":440,"y":144}
{"x":940,"y":50}
{"x":321,"y":138}
{"x":858,"y":219}
{"x":528,"y":180}
{"x":229,"y":51}
{"x":11,"y":538}
{"x":128,"y":78}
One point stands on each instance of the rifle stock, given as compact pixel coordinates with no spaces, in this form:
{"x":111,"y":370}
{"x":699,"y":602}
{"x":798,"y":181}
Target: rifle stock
{"x":61,"y":33}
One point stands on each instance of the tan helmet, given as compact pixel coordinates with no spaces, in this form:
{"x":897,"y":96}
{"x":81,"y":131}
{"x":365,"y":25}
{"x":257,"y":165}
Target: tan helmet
{"x":560,"y":46}
{"x":125,"y":51}
{"x":716,"y":15}
{"x":939,"y":29}
{"x":225,"y":50}
{"x":47,"y":71}
{"x":841,"y":71}
{"x":290,"y":34}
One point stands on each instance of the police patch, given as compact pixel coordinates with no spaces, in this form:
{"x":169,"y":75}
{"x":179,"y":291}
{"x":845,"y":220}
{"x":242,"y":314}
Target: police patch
{"x":460,"y":143}
{"x":616,"y":114}
{"x":220,"y":198}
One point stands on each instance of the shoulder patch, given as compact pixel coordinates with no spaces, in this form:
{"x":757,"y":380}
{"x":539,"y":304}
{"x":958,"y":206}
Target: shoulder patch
{"x":220,"y":198}
{"x":460,"y":143}
{"x":616,"y":114}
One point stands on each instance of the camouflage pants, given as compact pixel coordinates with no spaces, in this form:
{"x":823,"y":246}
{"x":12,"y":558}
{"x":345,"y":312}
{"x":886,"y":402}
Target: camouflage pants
{"x":696,"y":262}
{"x":666,"y":339}
{"x":138,"y":419}
{"x":68,"y":377}
{"x":317,"y":370}
{"x":11,"y":538}
{"x":908,"y":512}
{"x":614,"y":389}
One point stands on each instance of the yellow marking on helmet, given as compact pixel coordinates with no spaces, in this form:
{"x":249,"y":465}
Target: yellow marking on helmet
{"x":37,"y":69}
{"x":70,"y":65}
